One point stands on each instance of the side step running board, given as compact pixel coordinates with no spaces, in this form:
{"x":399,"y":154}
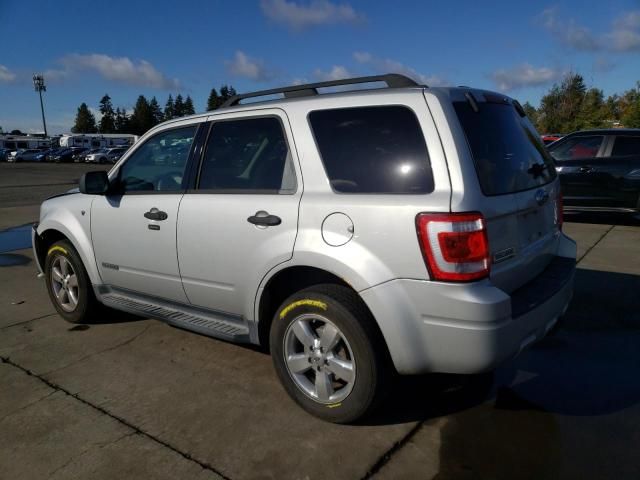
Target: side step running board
{"x":223,"y":326}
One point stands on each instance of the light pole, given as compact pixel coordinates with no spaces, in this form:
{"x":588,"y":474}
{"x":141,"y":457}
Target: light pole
{"x":38,"y":84}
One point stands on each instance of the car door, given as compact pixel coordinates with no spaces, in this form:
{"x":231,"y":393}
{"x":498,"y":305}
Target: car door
{"x":133,"y":229}
{"x":625,"y":170}
{"x":241,"y":220}
{"x":578,"y":158}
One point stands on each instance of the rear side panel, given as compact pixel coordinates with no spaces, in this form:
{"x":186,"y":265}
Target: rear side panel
{"x":383,"y":243}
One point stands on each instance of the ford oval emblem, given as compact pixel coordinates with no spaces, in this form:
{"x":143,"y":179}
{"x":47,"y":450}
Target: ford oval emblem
{"x":541,"y":197}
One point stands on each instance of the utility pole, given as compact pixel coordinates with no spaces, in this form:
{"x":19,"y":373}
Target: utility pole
{"x":38,"y":84}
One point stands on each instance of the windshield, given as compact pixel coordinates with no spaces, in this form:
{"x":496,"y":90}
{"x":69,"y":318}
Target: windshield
{"x":507,"y":151}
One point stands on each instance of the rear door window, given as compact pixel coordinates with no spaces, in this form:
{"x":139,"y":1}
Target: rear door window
{"x":507,"y":151}
{"x":578,"y":147}
{"x":625,"y":146}
{"x":373,"y":150}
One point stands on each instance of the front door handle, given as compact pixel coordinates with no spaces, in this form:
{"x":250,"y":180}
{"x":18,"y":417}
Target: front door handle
{"x":586,"y":169}
{"x":155,"y":214}
{"x":263,"y":218}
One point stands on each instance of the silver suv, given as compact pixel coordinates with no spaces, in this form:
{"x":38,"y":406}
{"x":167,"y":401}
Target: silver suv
{"x":356,"y":234}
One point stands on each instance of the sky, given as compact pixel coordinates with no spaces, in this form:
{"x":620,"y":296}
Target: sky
{"x":161,"y":47}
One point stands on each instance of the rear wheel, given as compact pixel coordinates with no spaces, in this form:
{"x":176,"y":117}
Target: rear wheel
{"x":328,"y":353}
{"x":68,"y":284}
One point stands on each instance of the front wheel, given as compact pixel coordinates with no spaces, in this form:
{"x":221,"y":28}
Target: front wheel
{"x":328,"y":353}
{"x":68,"y":284}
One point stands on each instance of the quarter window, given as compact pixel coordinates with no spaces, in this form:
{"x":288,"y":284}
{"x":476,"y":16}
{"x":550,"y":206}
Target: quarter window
{"x":373,"y":150}
{"x":626,"y":146}
{"x":158,"y":164}
{"x":249,"y":155}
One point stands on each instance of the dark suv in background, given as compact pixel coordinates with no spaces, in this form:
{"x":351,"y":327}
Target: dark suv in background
{"x":599,"y":168}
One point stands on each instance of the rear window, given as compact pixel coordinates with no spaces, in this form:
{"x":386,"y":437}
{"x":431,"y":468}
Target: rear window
{"x":373,"y":150}
{"x":507,"y":151}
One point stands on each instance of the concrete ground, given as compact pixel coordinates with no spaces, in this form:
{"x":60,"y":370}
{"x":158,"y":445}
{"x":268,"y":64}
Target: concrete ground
{"x":135,"y":398}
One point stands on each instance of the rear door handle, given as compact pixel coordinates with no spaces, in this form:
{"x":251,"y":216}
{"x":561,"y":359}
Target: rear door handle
{"x":155,"y":214}
{"x":264,"y":219}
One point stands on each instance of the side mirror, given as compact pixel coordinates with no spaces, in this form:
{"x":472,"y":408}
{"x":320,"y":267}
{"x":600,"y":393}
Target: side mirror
{"x":94,"y":183}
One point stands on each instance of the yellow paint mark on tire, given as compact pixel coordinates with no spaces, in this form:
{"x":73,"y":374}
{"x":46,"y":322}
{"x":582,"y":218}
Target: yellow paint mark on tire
{"x":57,"y":248}
{"x":299,"y":303}
{"x":334,"y":405}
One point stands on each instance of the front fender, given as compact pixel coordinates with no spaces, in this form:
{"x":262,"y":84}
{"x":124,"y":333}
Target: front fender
{"x":72,"y":218}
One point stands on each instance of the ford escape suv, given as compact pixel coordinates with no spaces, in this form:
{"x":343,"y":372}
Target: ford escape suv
{"x":356,"y":234}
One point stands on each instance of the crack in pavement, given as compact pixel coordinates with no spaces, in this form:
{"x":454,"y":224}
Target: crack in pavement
{"x":99,"y":445}
{"x":27,"y":321}
{"x":108,"y":349}
{"x":185,"y":455}
{"x":588,"y":250}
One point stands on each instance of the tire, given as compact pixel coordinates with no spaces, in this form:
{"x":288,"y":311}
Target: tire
{"x":357,"y":344}
{"x":62,"y":258}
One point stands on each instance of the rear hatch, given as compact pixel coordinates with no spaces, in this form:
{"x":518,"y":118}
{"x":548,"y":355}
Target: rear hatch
{"x":519,"y":191}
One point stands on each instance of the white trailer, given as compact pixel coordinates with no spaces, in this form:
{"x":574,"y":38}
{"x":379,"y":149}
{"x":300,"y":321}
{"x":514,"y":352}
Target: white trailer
{"x":97,"y":140}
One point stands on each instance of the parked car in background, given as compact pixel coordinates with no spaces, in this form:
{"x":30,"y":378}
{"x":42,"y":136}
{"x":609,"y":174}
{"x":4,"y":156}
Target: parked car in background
{"x":4,"y":153}
{"x":66,"y":155}
{"x":52,"y":153}
{"x":82,"y":156}
{"x":106,"y":155}
{"x":549,"y":138}
{"x":599,"y":168}
{"x":42,"y":156}
{"x":24,"y":155}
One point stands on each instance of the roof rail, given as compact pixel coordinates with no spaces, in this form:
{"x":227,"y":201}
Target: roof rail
{"x":393,"y":80}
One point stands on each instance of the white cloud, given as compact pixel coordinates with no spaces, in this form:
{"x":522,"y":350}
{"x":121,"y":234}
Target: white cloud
{"x":524,"y":75}
{"x":387,"y":65}
{"x":243,"y":65}
{"x":337,"y":72}
{"x":298,"y":16}
{"x":623,"y":36}
{"x":6,"y":75}
{"x":117,"y":69}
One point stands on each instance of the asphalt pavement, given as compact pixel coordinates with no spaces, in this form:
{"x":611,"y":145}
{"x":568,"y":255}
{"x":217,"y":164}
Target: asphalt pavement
{"x":136,"y":398}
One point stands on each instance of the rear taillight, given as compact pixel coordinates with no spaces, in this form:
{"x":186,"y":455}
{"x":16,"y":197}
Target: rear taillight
{"x":559,"y":213}
{"x":454,"y":245}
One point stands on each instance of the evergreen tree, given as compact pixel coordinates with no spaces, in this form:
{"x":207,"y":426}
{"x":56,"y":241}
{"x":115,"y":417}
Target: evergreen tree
{"x":169,"y":109}
{"x":121,"y":121}
{"x":107,"y":122}
{"x":188,"y":106}
{"x":85,"y":121}
{"x":226,"y":92}
{"x":178,"y":106}
{"x":560,"y":108}
{"x":214,"y":101}
{"x":593,"y":111}
{"x":156,"y":111}
{"x":141,"y":119}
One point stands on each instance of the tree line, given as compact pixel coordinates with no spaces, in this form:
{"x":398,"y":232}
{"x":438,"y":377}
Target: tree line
{"x":146,"y":114}
{"x":570,"y":106}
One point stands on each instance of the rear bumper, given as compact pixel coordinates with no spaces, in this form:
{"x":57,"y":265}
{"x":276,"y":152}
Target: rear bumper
{"x":468,"y":328}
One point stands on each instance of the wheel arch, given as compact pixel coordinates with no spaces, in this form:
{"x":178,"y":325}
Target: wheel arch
{"x":51,"y":232}
{"x":288,"y":281}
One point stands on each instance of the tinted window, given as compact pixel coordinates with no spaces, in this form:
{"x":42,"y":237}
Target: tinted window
{"x":507,"y":151}
{"x":577,"y":147}
{"x":159,"y":163}
{"x":626,"y":146}
{"x":248,"y":155}
{"x":373,"y":150}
